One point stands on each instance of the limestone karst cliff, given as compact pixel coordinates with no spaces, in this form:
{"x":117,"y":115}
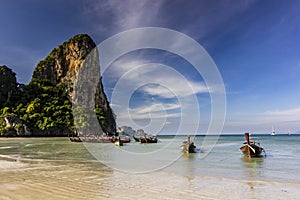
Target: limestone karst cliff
{"x":64,"y":61}
{"x":46,"y":103}
{"x":62,"y":66}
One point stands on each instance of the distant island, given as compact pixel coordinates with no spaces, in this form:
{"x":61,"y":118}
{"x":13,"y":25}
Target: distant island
{"x":44,"y":106}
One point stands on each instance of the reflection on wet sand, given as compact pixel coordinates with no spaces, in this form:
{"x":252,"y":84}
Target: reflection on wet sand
{"x":253,"y":162}
{"x":253,"y":169}
{"x":188,"y":166}
{"x":70,"y":180}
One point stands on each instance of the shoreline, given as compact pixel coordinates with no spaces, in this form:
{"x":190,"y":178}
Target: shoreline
{"x":54,"y":168}
{"x":167,"y":135}
{"x":79,"y":181}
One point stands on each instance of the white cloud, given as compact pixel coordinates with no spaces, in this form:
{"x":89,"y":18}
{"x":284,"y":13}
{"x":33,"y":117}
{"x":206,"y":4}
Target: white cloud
{"x":156,"y":79}
{"x":116,"y":16}
{"x":133,"y":13}
{"x":179,"y":88}
{"x":284,"y":115}
{"x":163,"y":83}
{"x":121,"y":66}
{"x":151,"y":111}
{"x":156,"y":107}
{"x":143,"y":116}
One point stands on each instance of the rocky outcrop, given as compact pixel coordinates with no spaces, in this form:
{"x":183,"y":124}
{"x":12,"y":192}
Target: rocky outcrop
{"x":13,"y":126}
{"x":75,"y":64}
{"x":8,"y":84}
{"x":126,"y":130}
{"x":69,"y":77}
{"x":63,"y":63}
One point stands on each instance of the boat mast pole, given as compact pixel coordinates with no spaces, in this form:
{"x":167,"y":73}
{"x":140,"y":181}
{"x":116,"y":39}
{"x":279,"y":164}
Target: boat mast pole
{"x":248,"y":143}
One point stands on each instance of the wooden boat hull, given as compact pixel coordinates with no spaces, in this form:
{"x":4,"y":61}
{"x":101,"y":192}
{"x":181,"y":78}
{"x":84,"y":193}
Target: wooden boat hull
{"x":251,"y":148}
{"x":92,"y":139}
{"x":145,"y":139}
{"x":137,"y":139}
{"x":99,"y":139}
{"x":189,"y":148}
{"x":75,"y":139}
{"x":254,"y":151}
{"x":148,"y":140}
{"x":126,"y":140}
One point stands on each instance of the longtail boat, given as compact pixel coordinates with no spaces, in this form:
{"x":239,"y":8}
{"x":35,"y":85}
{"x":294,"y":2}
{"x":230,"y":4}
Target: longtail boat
{"x":146,"y":139}
{"x":251,"y":147}
{"x":188,"y":146}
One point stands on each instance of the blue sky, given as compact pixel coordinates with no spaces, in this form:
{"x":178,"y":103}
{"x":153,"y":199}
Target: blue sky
{"x":254,"y":44}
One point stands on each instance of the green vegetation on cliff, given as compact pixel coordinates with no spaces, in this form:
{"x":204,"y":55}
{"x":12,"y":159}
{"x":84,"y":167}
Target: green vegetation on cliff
{"x":45,"y":109}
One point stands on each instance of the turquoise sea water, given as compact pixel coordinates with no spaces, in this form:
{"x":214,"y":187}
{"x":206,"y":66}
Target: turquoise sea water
{"x":282,"y":161}
{"x":33,"y":159}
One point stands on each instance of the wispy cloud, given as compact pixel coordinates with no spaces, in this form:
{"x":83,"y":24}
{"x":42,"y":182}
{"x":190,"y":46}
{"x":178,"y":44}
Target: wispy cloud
{"x":156,"y":108}
{"x":113,"y":16}
{"x":181,"y":89}
{"x":166,"y":82}
{"x":156,"y":79}
{"x":288,"y":114}
{"x":156,"y":111}
{"x":133,"y":13}
{"x":197,"y":19}
{"x":150,"y":111}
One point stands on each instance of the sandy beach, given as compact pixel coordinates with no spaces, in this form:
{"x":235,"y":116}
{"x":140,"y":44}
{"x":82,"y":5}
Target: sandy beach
{"x":92,"y":181}
{"x":55,"y":168}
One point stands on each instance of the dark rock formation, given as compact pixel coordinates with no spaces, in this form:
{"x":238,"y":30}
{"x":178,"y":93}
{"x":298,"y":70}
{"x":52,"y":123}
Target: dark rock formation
{"x":8,"y":84}
{"x":14,"y":127}
{"x":127,"y":131}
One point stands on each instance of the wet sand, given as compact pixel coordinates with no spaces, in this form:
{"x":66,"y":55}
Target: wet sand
{"x":21,"y":179}
{"x":54,"y":168}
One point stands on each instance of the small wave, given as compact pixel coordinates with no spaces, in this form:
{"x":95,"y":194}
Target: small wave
{"x":6,"y":157}
{"x":227,"y":144}
{"x":34,"y":144}
{"x":8,"y":147}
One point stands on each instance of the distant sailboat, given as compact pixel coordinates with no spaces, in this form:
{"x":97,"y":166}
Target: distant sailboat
{"x":273,"y":132}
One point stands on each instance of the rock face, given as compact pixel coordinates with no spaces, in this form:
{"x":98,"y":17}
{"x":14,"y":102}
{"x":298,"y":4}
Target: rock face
{"x":8,"y":84}
{"x":67,"y":64}
{"x":63,"y":63}
{"x":15,"y":127}
{"x":126,"y":130}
